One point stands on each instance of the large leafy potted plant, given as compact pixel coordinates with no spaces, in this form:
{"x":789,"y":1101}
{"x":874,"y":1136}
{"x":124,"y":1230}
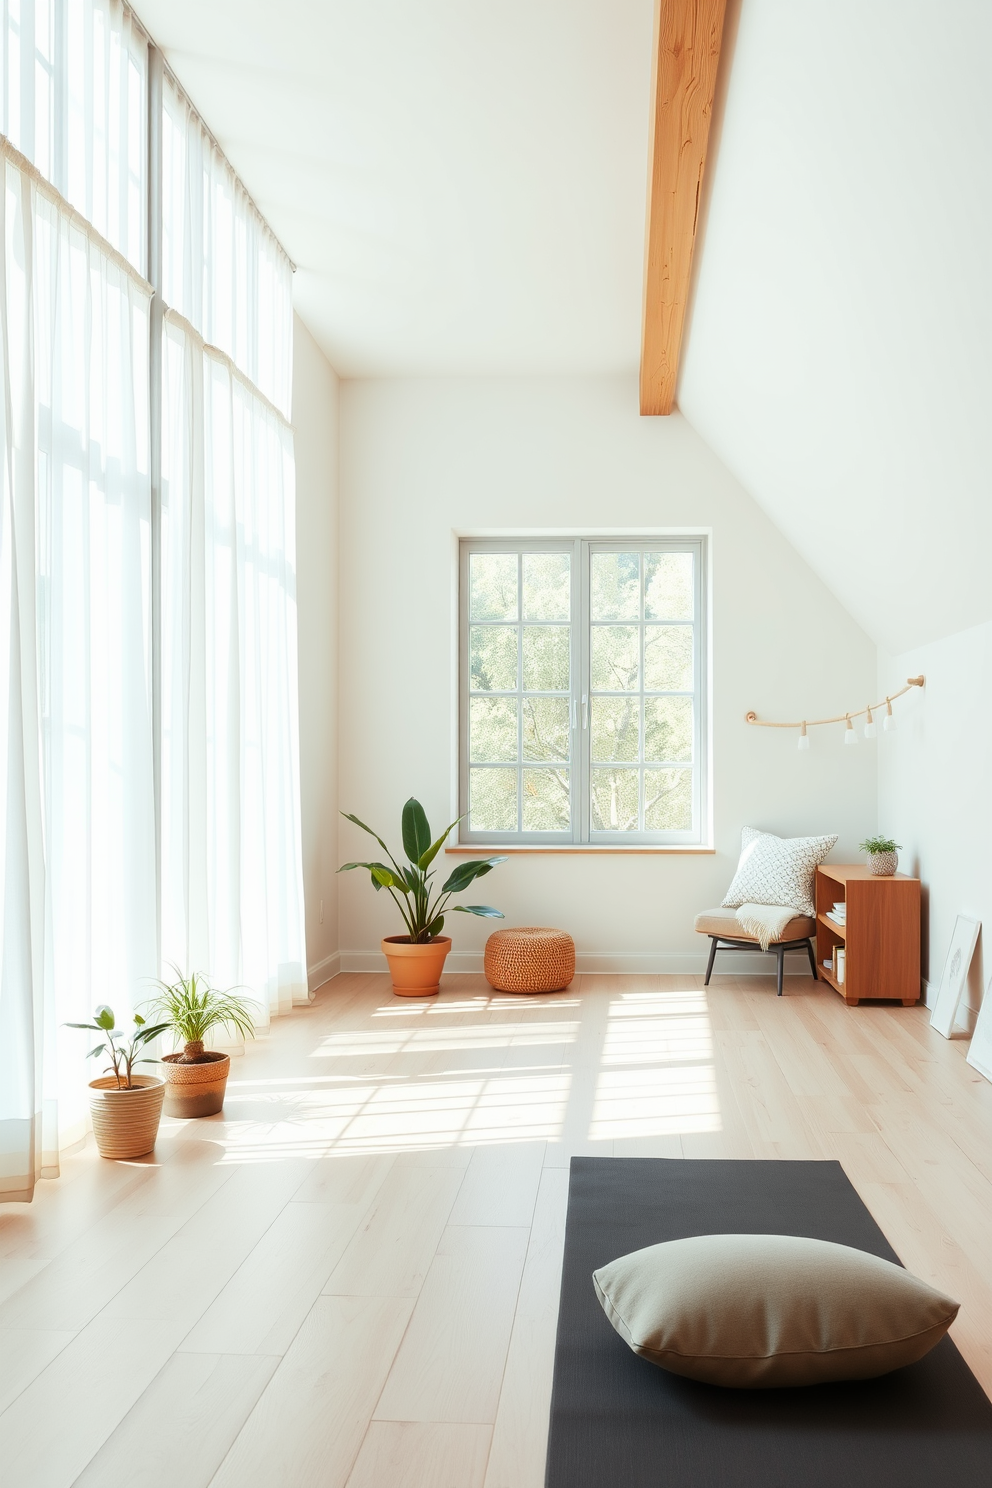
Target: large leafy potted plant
{"x":126,"y":1108}
{"x":196,"y":1078}
{"x":417,"y":958}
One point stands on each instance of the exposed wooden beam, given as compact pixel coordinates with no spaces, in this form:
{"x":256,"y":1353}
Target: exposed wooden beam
{"x":688,"y":34}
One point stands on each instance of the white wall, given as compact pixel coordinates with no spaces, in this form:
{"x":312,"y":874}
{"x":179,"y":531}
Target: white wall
{"x":422,"y":460}
{"x":315,"y":424}
{"x":935,"y":791}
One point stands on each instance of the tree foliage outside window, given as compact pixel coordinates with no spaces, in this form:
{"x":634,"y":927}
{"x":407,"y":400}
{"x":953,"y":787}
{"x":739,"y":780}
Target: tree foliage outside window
{"x":582,"y":690}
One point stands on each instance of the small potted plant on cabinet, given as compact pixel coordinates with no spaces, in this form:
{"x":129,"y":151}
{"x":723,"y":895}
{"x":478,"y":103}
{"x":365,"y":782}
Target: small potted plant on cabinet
{"x":883,"y":855}
{"x":196,"y":1078}
{"x":417,"y":958}
{"x":126,"y":1108}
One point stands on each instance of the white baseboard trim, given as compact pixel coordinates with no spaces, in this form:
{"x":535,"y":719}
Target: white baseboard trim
{"x":615,"y":963}
{"x":322,"y":971}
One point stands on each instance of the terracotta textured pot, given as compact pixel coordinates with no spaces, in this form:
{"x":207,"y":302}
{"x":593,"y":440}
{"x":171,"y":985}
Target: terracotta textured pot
{"x":416,"y":969}
{"x":195,"y":1089}
{"x":125,"y":1122}
{"x":883,"y":865}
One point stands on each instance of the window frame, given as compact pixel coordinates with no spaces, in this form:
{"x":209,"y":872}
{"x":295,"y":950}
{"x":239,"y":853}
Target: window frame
{"x":580,"y":763}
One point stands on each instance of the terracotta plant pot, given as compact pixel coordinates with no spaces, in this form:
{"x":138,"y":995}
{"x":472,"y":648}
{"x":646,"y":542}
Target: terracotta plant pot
{"x":883,"y":865}
{"x":416,"y":969}
{"x":125,"y":1122}
{"x":195,"y":1089}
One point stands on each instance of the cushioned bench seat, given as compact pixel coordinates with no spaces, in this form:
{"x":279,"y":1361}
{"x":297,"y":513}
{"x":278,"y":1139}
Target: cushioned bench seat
{"x":725,"y":924}
{"x":727,"y":933}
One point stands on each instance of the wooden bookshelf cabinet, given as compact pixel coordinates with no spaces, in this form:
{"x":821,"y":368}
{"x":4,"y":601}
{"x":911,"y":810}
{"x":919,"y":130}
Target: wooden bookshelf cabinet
{"x":882,"y":933}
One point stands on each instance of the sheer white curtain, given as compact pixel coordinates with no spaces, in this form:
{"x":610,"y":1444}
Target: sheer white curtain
{"x":81,"y":921}
{"x":77,"y":898}
{"x":73,"y":79}
{"x":232,"y":887}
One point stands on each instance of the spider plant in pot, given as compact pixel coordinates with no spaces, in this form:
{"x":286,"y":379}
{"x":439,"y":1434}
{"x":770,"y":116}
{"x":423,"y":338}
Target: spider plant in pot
{"x":196,"y":1078}
{"x":417,"y":958}
{"x":126,"y":1108}
{"x":883,"y":855}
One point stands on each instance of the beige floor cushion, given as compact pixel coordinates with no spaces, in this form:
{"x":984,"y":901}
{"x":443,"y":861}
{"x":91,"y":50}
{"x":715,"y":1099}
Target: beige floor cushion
{"x":725,"y":923}
{"x":767,"y":1311}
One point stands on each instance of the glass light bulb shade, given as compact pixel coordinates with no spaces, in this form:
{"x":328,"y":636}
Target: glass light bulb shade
{"x":889,"y":723}
{"x":850,"y":737}
{"x":803,"y":741}
{"x":869,"y":730}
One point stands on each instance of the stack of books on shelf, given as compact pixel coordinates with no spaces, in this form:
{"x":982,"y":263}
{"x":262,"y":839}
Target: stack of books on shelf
{"x":838,"y":913}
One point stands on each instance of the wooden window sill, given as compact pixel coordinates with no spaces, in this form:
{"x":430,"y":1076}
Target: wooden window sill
{"x":490,"y":849}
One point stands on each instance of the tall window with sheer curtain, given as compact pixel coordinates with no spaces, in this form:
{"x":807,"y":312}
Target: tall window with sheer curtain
{"x":149,"y":786}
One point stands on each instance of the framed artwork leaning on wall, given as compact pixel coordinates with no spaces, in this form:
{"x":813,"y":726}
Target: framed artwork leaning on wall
{"x":954,"y":975}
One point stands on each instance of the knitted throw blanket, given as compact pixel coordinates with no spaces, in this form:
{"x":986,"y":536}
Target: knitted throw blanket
{"x":765,"y":922}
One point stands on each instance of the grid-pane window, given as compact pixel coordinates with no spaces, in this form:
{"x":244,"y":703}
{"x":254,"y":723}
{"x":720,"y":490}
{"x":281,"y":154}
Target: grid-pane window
{"x":582,"y":714}
{"x":520,"y":691}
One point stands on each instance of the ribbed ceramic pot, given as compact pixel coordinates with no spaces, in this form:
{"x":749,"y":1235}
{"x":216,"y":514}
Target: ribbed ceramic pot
{"x":195,"y":1089}
{"x":125,"y":1122}
{"x":416,"y":969}
{"x":883,"y":865}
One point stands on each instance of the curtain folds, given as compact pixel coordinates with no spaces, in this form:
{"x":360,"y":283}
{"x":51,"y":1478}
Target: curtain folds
{"x":77,"y":901}
{"x":140,"y":828}
{"x":232,"y":885}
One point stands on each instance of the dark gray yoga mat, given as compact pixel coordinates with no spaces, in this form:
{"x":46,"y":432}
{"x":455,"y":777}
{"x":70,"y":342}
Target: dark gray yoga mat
{"x":619,"y":1422}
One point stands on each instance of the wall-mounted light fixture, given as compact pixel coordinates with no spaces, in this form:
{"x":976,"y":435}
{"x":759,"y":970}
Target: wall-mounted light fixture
{"x":850,"y":735}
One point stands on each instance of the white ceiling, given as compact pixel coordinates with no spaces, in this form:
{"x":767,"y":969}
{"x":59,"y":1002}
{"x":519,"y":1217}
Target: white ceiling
{"x":461,"y":183}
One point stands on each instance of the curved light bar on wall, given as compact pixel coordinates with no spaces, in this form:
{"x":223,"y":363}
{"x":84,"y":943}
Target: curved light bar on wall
{"x":850,"y":735}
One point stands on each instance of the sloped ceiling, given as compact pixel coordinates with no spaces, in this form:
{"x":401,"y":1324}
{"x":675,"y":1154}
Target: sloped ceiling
{"x":462,"y":185}
{"x":839,"y":355}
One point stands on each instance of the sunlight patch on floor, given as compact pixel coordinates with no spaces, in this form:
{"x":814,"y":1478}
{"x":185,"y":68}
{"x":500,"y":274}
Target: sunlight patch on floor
{"x":421,"y":1040}
{"x":657,"y":1076}
{"x":413,"y":1114}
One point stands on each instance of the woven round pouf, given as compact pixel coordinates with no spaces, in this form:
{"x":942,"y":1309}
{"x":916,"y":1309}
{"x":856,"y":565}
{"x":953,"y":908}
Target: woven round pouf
{"x":531,"y":958}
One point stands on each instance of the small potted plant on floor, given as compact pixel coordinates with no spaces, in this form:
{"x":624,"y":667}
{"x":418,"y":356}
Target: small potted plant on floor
{"x":126,"y":1108}
{"x":883,"y":855}
{"x":417,"y":958}
{"x":196,"y":1078}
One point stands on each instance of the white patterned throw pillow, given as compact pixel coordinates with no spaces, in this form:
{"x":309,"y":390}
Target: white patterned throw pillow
{"x":777,"y":870}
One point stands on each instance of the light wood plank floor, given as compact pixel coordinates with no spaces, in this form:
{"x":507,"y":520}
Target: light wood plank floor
{"x":350,"y":1278}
